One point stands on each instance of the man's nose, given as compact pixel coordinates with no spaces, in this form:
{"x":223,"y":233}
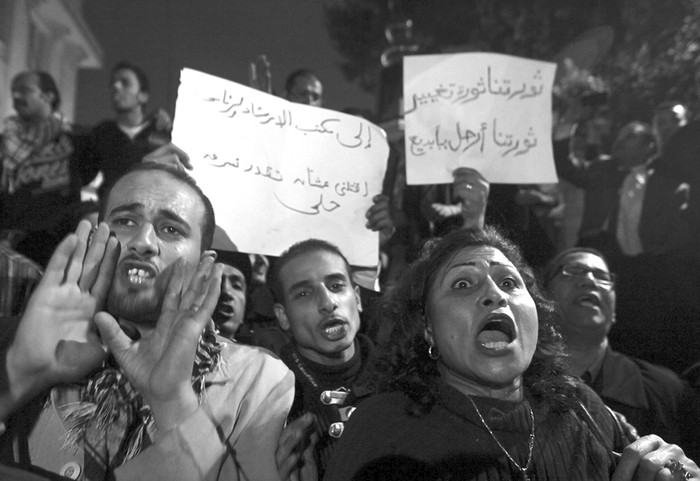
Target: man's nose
{"x":328,"y":301}
{"x":145,"y":241}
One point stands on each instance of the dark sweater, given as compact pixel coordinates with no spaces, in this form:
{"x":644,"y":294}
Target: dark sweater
{"x":313,"y":379}
{"x":383,"y":441}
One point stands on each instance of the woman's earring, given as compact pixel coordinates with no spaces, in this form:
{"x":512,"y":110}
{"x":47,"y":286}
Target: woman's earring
{"x":433,"y":353}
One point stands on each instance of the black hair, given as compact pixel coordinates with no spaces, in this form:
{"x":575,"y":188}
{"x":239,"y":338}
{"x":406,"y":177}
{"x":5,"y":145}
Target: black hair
{"x":46,"y":84}
{"x":296,"y":250}
{"x":299,"y":73}
{"x":144,"y":85}
{"x":208,"y":221}
{"x":550,"y":269}
{"x":406,"y":365}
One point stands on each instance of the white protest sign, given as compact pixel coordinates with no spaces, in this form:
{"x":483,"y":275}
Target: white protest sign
{"x":487,"y":111}
{"x":278,"y":172}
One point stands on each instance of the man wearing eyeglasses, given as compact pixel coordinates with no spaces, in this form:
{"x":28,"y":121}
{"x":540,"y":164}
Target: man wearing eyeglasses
{"x":651,"y":397}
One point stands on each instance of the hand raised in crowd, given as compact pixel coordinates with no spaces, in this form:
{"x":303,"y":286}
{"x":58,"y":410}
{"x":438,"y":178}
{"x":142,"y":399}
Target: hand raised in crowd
{"x":650,"y":458}
{"x":295,"y":450}
{"x":260,"y":75}
{"x":159,"y":364}
{"x":379,"y":217}
{"x":169,"y":154}
{"x":56,"y":341}
{"x":473,"y":191}
{"x":162,"y":121}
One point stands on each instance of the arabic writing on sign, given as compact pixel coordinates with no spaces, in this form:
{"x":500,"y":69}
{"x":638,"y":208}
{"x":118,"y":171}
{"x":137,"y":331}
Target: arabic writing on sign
{"x":278,"y":172}
{"x":311,"y":180}
{"x":490,"y":112}
{"x":232,"y":106}
{"x":463,"y":139}
{"x":462,"y":94}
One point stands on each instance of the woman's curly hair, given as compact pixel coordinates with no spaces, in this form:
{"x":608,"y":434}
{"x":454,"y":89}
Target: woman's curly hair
{"x":405,"y":364}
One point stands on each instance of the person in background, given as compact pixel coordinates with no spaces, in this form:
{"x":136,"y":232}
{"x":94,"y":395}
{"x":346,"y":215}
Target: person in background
{"x":304,"y":87}
{"x":39,"y":168}
{"x":652,"y":398}
{"x":119,"y":143}
{"x":230,"y":310}
{"x":19,"y":276}
{"x":668,"y":118}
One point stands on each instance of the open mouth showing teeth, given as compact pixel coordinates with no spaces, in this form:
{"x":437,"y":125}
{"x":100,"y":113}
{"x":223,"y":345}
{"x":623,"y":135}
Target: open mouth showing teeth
{"x":137,"y":276}
{"x":498,"y":333}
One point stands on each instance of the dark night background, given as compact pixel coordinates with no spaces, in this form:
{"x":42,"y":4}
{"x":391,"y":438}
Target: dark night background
{"x":219,"y":37}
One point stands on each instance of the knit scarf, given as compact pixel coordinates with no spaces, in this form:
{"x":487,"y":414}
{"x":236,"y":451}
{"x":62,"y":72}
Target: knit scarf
{"x":112,"y":422}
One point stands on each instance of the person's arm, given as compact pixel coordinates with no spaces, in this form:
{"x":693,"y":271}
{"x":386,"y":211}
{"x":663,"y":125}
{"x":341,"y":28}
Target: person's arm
{"x":379,"y":218}
{"x":260,"y":74}
{"x":56,"y":341}
{"x":169,"y":154}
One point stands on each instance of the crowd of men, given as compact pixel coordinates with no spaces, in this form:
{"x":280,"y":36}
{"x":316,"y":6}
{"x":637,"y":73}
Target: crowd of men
{"x":136,"y":356}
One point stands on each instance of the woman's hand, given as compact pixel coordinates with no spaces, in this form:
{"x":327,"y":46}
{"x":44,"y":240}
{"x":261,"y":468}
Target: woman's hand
{"x":650,"y":458}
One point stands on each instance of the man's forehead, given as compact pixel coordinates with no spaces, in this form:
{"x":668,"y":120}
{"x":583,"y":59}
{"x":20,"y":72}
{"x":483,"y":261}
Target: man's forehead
{"x":157,"y":190}
{"x":585,"y":258}
{"x":301,"y":268}
{"x":27,"y":78}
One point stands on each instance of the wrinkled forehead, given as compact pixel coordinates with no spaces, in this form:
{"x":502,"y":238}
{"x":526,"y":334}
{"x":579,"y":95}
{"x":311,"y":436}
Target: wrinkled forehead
{"x":477,"y":255}
{"x":483,"y":257}
{"x":156,"y":191}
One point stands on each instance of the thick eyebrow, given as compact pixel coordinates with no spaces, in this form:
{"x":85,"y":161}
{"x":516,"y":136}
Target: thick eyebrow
{"x":138,"y":206}
{"x":306,"y":283}
{"x":134,"y":206}
{"x":473,"y":263}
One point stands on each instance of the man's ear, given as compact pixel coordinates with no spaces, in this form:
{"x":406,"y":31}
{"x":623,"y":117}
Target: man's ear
{"x":358,"y":298}
{"x":281,"y":315}
{"x":143,"y":98}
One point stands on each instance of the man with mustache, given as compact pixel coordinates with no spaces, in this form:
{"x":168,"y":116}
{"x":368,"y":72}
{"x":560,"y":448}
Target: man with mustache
{"x":39,"y":178}
{"x":652,"y":398}
{"x":170,"y":399}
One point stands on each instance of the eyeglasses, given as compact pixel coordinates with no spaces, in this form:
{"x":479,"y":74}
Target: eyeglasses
{"x":600,"y":277}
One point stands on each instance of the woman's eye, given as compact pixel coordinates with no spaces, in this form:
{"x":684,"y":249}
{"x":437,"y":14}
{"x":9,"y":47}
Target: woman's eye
{"x":462,"y":284}
{"x":509,"y":283}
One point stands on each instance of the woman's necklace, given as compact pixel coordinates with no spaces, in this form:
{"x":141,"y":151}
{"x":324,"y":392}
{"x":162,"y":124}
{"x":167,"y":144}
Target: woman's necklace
{"x":530,"y":442}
